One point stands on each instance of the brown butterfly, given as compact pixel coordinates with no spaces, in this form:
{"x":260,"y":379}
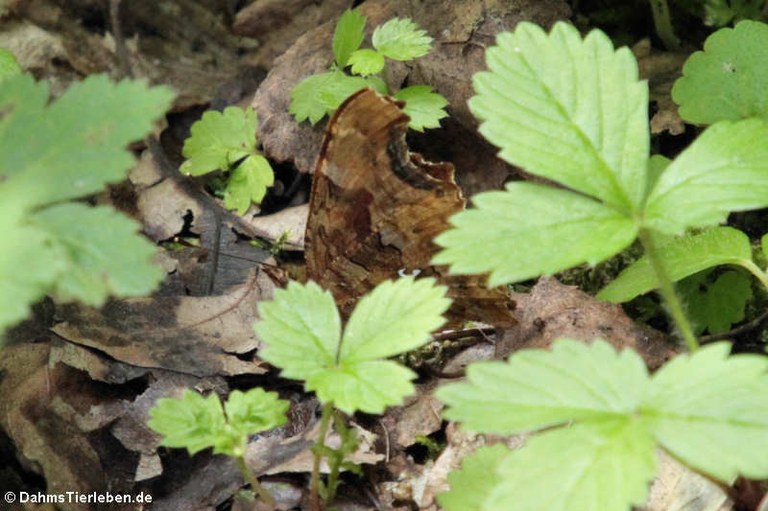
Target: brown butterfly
{"x":375,"y":209}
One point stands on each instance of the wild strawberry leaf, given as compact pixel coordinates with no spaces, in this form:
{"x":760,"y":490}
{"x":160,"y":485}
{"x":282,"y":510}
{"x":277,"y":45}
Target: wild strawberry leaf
{"x":714,"y":304}
{"x":424,"y":106}
{"x":401,"y":39}
{"x":248,"y":183}
{"x":193,"y":422}
{"x":477,"y":477}
{"x":219,"y":140}
{"x":366,"y":62}
{"x":348,"y":36}
{"x":318,"y":95}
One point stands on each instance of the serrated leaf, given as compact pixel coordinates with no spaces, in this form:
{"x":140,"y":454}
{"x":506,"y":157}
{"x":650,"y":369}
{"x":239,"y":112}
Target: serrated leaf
{"x":711,"y":411}
{"x":568,"y":109}
{"x":75,"y":145}
{"x":728,"y":79}
{"x":715,"y":306}
{"x":595,"y":467}
{"x":219,"y":139}
{"x":348,"y":36}
{"x":8,"y":64}
{"x":477,"y":477}
{"x":193,"y":422}
{"x":105,"y":255}
{"x":366,"y":62}
{"x":401,"y":39}
{"x":725,"y":169}
{"x":558,"y":229}
{"x":424,"y":106}
{"x":248,"y":183}
{"x":301,"y":329}
{"x":682,"y":257}
{"x":318,"y":95}
{"x":254,"y":411}
{"x":535,"y":389}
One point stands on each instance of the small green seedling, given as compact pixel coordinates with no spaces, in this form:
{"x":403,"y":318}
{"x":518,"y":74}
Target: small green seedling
{"x":195,"y":422}
{"x":226,"y":141}
{"x":572,"y":110}
{"x":52,"y":153}
{"x":397,"y":39}
{"x":302,"y":334}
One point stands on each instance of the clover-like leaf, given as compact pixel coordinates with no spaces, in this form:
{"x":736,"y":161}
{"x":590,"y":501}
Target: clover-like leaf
{"x":248,"y":183}
{"x":476,"y":479}
{"x":193,"y":422}
{"x":558,"y":229}
{"x":366,"y":62}
{"x":401,"y":39}
{"x":348,"y":36}
{"x":424,"y":106}
{"x":569,"y":109}
{"x":219,"y":140}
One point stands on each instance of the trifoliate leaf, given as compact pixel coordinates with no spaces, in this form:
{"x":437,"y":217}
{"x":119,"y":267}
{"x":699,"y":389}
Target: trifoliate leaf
{"x":729,"y":79}
{"x":401,"y":39}
{"x":568,"y":109}
{"x":715,"y":305}
{"x":682,"y":257}
{"x":711,"y":411}
{"x":535,"y":389}
{"x":248,"y":183}
{"x":558,"y":229}
{"x":8,"y":64}
{"x":725,"y":169}
{"x":348,"y":36}
{"x":301,"y":330}
{"x":424,"y":106}
{"x":366,"y":62}
{"x":77,"y":144}
{"x":321,"y":94}
{"x":192,"y":421}
{"x":477,"y":477}
{"x":104,"y":253}
{"x":605,"y":466}
{"x":219,"y":140}
{"x":256,"y":410}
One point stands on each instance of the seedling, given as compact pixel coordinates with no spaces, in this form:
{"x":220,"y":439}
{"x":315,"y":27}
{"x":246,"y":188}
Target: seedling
{"x":397,"y":39}
{"x":226,"y":141}
{"x":195,"y":422}
{"x":50,"y":154}
{"x":301,"y":329}
{"x":573,"y":111}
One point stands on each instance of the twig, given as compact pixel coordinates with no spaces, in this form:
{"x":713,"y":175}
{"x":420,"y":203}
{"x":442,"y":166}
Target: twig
{"x":758,"y":323}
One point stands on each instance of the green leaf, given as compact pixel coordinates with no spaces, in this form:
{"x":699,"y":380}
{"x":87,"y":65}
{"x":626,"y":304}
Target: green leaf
{"x":711,"y":411}
{"x":248,"y":183}
{"x":567,"y":109}
{"x":536,"y":389}
{"x":75,"y":145}
{"x":401,"y":39}
{"x":366,"y":62}
{"x":104,"y":253}
{"x":256,"y":410}
{"x":728,"y":80}
{"x":192,"y":421}
{"x":558,"y":229}
{"x":348,"y":36}
{"x":8,"y":64}
{"x":682,"y":257}
{"x":601,"y":467}
{"x":715,"y":306}
{"x":477,"y":477}
{"x":301,"y":330}
{"x":318,"y":95}
{"x":423,"y":106}
{"x":725,"y":169}
{"x":219,"y":140}
{"x":764,"y":246}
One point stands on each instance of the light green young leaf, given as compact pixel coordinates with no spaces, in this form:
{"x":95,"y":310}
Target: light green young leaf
{"x":75,"y":145}
{"x":104,"y":253}
{"x":401,"y":39}
{"x":476,"y":479}
{"x":715,"y":306}
{"x":301,"y":329}
{"x":605,"y":466}
{"x":711,"y":411}
{"x":725,"y":169}
{"x":682,"y":257}
{"x":248,"y":183}
{"x":318,"y":95}
{"x":219,"y":139}
{"x":254,"y":411}
{"x":192,"y":421}
{"x":366,"y":62}
{"x":535,"y":389}
{"x":348,"y":36}
{"x":728,"y":80}
{"x":8,"y":64}
{"x":567,"y":109}
{"x":557,"y":228}
{"x":424,"y":106}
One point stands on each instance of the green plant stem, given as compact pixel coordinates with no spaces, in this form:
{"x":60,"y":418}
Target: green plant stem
{"x":251,"y":479}
{"x":756,"y":271}
{"x":667,"y":291}
{"x":314,"y":484}
{"x":663,"y":23}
